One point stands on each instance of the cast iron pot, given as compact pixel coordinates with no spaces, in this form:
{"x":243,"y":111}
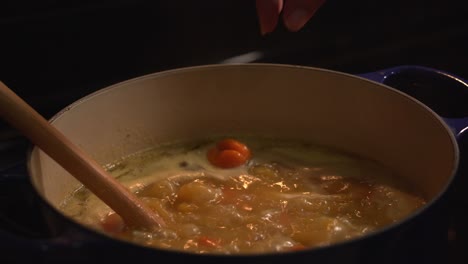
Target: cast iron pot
{"x":353,"y":113}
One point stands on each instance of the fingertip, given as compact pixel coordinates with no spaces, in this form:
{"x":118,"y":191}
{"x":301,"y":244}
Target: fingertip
{"x":267,"y":27}
{"x":268,"y":14}
{"x":297,"y":13}
{"x":295,"y":20}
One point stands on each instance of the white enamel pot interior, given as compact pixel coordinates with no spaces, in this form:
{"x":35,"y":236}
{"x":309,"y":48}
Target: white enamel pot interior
{"x":316,"y":105}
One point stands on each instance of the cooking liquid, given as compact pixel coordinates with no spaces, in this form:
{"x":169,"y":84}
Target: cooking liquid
{"x":289,"y":196}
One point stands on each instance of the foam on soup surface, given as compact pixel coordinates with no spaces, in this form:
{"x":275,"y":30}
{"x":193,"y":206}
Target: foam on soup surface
{"x":288,"y":196}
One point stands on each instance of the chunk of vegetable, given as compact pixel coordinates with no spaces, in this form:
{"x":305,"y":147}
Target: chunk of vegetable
{"x":113,"y":223}
{"x":228,"y":153}
{"x":198,"y":193}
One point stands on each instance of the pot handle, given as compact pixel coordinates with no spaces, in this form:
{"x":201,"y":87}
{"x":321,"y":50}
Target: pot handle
{"x":443,"y":92}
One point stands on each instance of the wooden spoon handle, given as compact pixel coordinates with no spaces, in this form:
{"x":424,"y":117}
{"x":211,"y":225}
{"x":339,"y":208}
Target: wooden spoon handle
{"x":40,"y":132}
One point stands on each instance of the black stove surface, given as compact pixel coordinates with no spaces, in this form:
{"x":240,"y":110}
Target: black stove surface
{"x":56,"y":53}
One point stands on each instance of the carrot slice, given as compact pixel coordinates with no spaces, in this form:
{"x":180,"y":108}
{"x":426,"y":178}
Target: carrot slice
{"x":208,"y":242}
{"x":232,"y":144}
{"x":297,"y":247}
{"x":113,"y":223}
{"x":228,"y":153}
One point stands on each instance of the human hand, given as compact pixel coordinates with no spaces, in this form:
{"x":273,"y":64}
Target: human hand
{"x":295,"y":13}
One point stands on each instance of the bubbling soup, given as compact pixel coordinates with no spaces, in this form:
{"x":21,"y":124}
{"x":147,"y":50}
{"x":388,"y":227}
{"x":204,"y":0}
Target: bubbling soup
{"x":275,"y":196}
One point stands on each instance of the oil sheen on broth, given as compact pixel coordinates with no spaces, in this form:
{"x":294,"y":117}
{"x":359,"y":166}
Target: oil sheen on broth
{"x":288,"y":196}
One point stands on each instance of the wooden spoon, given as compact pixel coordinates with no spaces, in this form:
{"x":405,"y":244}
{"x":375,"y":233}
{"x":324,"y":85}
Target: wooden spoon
{"x":48,"y":138}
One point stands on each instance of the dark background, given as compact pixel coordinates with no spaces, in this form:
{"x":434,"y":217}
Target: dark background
{"x":53,"y":52}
